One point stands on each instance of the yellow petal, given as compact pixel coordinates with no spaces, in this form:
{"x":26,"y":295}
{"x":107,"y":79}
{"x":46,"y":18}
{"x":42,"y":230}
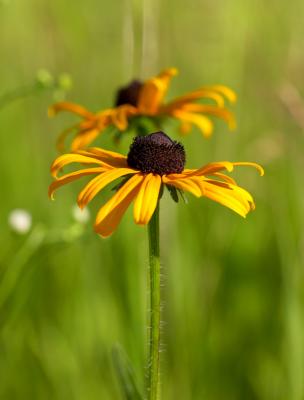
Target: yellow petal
{"x":244,"y":195}
{"x":168,"y":73}
{"x":104,"y":114}
{"x":202,"y":122}
{"x":232,"y":198}
{"x":111,"y":213}
{"x":99,"y":182}
{"x":224,"y":177}
{"x":153,"y":92}
{"x":147,"y":198}
{"x":72,"y":177}
{"x":250,"y":164}
{"x":121,"y":114}
{"x":151,"y":96}
{"x":225,"y":192}
{"x":224,"y":90}
{"x":185,"y":128}
{"x":222,"y":113}
{"x":109,"y":157}
{"x":195,"y":95}
{"x":63,"y":135}
{"x":229,"y":195}
{"x":66,"y":159}
{"x":71,"y":107}
{"x":186,"y":184}
{"x":186,"y":173}
{"x":213,"y":167}
{"x":119,"y":119}
{"x":84,"y":138}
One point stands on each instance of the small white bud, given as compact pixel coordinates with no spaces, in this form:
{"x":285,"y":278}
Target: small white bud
{"x":20,"y":221}
{"x":81,"y":216}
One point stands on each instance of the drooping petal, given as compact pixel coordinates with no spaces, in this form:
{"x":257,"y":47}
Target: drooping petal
{"x":102,"y":119}
{"x":224,"y":90}
{"x":213,"y":167}
{"x":219,"y":112}
{"x":66,"y":159}
{"x":202,"y":122}
{"x":63,"y":135}
{"x":244,"y":194}
{"x":218,"y":93}
{"x":109,"y":157}
{"x":153,"y":92}
{"x":67,"y":178}
{"x":110,"y":214}
{"x":119,"y":119}
{"x":237,"y":200}
{"x":106,"y":113}
{"x":226,"y":194}
{"x":250,"y":164}
{"x":187,"y":184}
{"x":224,"y":177}
{"x":121,"y":114}
{"x":71,"y":107}
{"x":146,"y":199}
{"x":84,"y":138}
{"x":88,"y":129}
{"x":99,"y":182}
{"x":178,"y":102}
{"x":223,"y":190}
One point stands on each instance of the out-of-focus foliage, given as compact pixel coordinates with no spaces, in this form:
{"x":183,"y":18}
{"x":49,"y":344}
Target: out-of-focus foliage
{"x":234,"y":288}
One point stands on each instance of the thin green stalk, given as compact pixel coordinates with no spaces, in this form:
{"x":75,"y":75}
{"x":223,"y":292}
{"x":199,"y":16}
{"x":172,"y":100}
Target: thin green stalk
{"x":154,"y":308}
{"x":17,"y":94}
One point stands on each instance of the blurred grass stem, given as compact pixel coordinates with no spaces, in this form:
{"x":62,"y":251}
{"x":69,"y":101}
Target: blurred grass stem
{"x":154,"y":309}
{"x":16,"y":94}
{"x":128,"y":40}
{"x":26,"y":251}
{"x":150,"y":40}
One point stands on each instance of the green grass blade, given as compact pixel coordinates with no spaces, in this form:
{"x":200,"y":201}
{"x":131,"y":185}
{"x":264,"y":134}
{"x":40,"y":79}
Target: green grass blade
{"x":125,"y":374}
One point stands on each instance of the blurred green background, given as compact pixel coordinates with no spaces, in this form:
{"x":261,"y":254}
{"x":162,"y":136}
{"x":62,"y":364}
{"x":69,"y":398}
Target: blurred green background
{"x":233,"y":296}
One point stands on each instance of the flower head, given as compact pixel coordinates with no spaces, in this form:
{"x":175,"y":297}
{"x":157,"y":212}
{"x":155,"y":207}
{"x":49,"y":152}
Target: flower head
{"x":147,"y":99}
{"x":153,"y":161}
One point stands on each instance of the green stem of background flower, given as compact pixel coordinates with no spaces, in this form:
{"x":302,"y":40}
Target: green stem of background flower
{"x":154,"y":308}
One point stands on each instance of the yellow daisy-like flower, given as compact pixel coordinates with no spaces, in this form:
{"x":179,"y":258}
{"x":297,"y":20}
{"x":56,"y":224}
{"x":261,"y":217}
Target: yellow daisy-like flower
{"x":153,"y":161}
{"x":146,"y":99}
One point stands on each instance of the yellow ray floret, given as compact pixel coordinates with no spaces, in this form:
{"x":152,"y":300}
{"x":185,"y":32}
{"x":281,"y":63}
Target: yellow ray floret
{"x":150,"y":102}
{"x":144,"y":188}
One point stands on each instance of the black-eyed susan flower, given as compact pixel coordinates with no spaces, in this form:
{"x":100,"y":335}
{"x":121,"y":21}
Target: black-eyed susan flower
{"x":147,"y":99}
{"x":153,"y":161}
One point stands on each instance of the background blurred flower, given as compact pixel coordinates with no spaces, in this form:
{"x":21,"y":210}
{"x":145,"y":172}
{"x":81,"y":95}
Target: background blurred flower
{"x":147,"y":99}
{"x":20,"y":221}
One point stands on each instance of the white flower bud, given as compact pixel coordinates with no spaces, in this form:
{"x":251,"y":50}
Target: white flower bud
{"x":20,"y":221}
{"x":81,"y":216}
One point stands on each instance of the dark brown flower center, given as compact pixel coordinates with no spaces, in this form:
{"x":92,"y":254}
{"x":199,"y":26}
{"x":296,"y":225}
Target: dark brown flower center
{"x":156,"y":153}
{"x":129,"y":94}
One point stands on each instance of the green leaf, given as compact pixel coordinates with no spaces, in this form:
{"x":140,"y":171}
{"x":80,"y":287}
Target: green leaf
{"x":173,"y":193}
{"x":125,"y":374}
{"x":182,"y":195}
{"x":176,"y":194}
